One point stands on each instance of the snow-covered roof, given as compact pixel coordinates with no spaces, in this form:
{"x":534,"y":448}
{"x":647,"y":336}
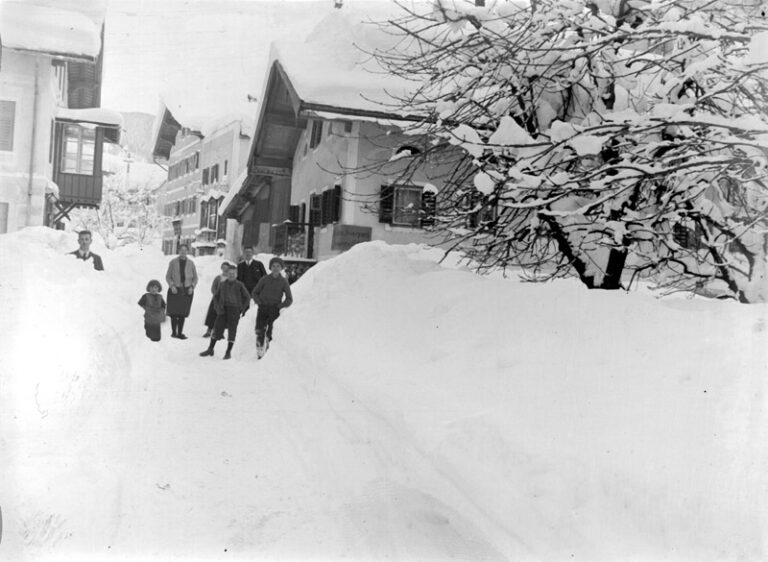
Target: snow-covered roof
{"x":333,"y":65}
{"x":95,"y":115}
{"x":233,"y":191}
{"x":27,"y":27}
{"x":245,"y":121}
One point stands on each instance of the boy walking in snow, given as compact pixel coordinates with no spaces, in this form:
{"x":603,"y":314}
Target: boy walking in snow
{"x":230,"y":302}
{"x":271,"y":294}
{"x":154,"y":309}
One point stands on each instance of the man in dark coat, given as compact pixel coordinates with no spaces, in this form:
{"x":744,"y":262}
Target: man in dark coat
{"x":250,"y":270}
{"x":84,"y":239}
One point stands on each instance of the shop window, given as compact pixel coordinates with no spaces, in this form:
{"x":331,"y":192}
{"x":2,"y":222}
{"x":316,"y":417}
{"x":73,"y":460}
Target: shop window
{"x":79,"y":150}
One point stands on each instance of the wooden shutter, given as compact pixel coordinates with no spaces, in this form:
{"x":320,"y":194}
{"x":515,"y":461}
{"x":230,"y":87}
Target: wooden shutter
{"x":221,"y":222}
{"x":336,"y":204}
{"x":428,"y":208}
{"x":326,"y":209}
{"x":293,"y":214}
{"x":386,"y":200}
{"x":205,"y":176}
{"x":315,"y":210}
{"x":203,"y":213}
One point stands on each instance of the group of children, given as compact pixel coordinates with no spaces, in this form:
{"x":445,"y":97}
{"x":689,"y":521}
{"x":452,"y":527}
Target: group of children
{"x":231,"y":300}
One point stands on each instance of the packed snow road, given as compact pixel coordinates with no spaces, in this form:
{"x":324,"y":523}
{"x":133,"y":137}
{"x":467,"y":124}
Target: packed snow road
{"x":398,"y":416}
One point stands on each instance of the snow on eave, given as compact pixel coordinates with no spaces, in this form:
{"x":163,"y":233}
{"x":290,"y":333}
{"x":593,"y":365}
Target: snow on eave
{"x":52,"y":31}
{"x":94,"y":115}
{"x":234,"y":190}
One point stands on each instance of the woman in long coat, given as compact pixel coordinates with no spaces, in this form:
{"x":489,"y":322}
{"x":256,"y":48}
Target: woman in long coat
{"x":181,"y":278}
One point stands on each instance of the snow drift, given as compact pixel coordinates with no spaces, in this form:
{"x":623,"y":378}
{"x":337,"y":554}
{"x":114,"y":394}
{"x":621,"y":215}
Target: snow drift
{"x":406,"y":410}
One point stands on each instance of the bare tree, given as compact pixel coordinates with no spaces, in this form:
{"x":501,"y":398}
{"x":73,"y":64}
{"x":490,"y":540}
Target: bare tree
{"x":606,"y":139}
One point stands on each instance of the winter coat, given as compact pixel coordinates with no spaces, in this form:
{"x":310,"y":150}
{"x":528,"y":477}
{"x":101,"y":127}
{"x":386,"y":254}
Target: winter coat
{"x":231,"y":293}
{"x":98,"y":265}
{"x":250,"y":273}
{"x":173,"y":277}
{"x":216,"y":282}
{"x":269,"y":291}
{"x":154,"y":308}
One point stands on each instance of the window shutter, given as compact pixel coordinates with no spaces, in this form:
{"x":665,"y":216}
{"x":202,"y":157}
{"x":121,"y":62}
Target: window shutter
{"x":203,"y":213}
{"x":428,"y":208}
{"x":293,"y":214}
{"x":386,"y":203}
{"x":7,"y":119}
{"x":336,"y":204}
{"x":325,"y":216}
{"x":303,"y":214}
{"x":315,"y":210}
{"x":205,"y":176}
{"x":221,"y":222}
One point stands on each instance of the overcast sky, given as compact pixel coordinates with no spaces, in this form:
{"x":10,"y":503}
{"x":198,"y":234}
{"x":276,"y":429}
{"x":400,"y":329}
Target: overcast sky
{"x":200,"y":50}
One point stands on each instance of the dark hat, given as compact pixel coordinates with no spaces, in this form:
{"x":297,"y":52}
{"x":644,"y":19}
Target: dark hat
{"x":277,"y":260}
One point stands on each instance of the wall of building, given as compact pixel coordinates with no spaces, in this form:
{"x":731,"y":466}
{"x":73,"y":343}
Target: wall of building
{"x":20,"y":76}
{"x":358,"y":160}
{"x":179,"y":189}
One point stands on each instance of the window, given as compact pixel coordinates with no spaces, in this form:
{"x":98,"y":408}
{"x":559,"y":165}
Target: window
{"x":348,"y":127}
{"x":214,"y":177}
{"x":316,"y":134}
{"x":79,"y":150}
{"x":407,"y":205}
{"x":226,"y":165}
{"x":205,"y":176}
{"x":7,"y":118}
{"x":213,"y":209}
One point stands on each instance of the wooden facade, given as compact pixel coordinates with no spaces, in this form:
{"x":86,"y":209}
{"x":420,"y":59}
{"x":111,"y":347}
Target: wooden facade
{"x":81,"y":190}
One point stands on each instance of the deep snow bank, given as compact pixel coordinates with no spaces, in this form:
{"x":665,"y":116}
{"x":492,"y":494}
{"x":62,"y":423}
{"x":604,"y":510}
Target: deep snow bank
{"x":406,"y":410}
{"x":602,"y":425}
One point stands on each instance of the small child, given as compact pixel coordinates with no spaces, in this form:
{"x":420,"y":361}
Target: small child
{"x":210,"y":317}
{"x":154,"y":309}
{"x":268,"y":295}
{"x":231,"y":301}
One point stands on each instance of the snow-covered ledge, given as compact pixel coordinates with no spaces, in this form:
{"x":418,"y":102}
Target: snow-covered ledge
{"x":94,"y":115}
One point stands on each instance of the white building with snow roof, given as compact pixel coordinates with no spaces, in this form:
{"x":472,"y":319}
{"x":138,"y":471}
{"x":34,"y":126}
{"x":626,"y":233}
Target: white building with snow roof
{"x":324,"y":160}
{"x":51,"y":127}
{"x":203,"y":158}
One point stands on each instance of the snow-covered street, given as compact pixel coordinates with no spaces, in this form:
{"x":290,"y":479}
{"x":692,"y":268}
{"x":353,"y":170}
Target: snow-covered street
{"x":448,"y":418}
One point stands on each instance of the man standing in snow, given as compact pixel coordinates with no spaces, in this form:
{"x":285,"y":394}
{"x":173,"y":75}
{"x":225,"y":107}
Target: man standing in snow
{"x":84,"y":239}
{"x":250,"y":270}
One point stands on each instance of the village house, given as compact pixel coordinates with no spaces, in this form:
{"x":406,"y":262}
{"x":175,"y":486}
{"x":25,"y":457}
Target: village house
{"x":203,"y":160}
{"x":52,"y":130}
{"x":327,"y":153}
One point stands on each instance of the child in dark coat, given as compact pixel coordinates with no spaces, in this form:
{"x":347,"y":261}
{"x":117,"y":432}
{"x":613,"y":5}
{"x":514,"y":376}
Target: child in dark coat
{"x":210,"y":317}
{"x":154,"y":309}
{"x":272,"y":293}
{"x":231,"y":301}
